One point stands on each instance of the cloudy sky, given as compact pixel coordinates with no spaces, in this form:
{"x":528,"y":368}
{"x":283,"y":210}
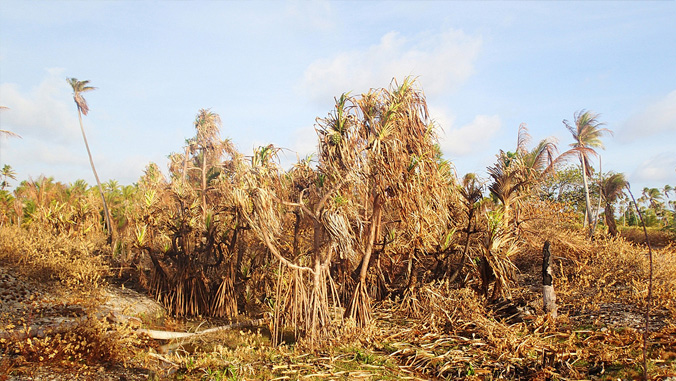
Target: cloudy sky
{"x":270,"y":68}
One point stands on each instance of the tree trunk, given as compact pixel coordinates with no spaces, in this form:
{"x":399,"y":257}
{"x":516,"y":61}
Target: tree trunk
{"x":596,"y":215}
{"x":204,"y":182}
{"x":185,"y":163}
{"x":548,"y":294}
{"x":109,"y":225}
{"x":375,"y":224}
{"x":588,"y":220}
{"x":610,"y":219}
{"x":457,"y":271}
{"x":359,"y":306}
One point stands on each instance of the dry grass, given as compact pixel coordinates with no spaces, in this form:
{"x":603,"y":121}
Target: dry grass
{"x":74,"y":261}
{"x":91,"y":342}
{"x":657,"y":237}
{"x":55,"y":322}
{"x":450,"y":334}
{"x":460,"y":337}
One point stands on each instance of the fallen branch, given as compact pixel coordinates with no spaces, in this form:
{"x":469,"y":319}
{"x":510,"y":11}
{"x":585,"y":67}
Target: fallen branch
{"x":170,"y":335}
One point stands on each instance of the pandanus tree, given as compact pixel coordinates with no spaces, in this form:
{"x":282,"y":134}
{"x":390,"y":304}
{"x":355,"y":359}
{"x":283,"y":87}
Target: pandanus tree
{"x":612,"y":188}
{"x":513,"y":180}
{"x":587,"y":131}
{"x":318,"y":205}
{"x":471,"y":193}
{"x":384,"y":143}
{"x":188,"y":226}
{"x":516,"y":173}
{"x":210,"y":147}
{"x":80,"y":87}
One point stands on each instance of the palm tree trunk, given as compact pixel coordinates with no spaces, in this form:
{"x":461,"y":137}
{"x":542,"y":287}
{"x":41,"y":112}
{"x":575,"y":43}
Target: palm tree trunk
{"x":109,"y":226}
{"x":610,"y":220}
{"x":588,"y":220}
{"x":596,"y":217}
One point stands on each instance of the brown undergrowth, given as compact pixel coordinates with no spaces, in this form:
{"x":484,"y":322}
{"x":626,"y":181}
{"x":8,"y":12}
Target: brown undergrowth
{"x":453,"y":333}
{"x":658,"y":237}
{"x":75,"y":261}
{"x":51,"y":298}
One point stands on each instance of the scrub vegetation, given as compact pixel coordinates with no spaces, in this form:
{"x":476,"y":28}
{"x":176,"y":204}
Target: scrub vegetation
{"x":371,"y":259}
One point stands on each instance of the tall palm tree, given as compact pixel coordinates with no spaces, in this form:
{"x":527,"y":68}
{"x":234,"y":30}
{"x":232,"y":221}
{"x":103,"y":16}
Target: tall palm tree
{"x":80,"y":87}
{"x":587,"y":132}
{"x":612,"y":189}
{"x":667,"y":189}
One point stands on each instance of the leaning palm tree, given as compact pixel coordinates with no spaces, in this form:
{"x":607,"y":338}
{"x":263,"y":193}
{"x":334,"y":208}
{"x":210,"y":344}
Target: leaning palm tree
{"x":9,"y":133}
{"x":612,"y":189}
{"x":587,"y":132}
{"x":80,"y":87}
{"x":667,"y":189}
{"x":652,"y":196}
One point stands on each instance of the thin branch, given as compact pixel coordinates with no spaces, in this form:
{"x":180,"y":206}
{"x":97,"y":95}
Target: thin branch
{"x":279,"y":256}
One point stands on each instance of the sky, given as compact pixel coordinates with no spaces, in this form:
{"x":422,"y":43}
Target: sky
{"x":271,"y":68}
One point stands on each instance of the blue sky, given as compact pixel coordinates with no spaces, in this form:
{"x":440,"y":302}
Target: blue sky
{"x":270,"y":68}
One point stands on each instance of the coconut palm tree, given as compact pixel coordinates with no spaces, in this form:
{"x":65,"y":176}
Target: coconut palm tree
{"x":667,"y":189}
{"x":612,"y":188}
{"x":587,"y":132}
{"x":9,"y":133}
{"x":7,"y":172}
{"x":5,"y":132}
{"x":653,"y":197}
{"x":80,"y":87}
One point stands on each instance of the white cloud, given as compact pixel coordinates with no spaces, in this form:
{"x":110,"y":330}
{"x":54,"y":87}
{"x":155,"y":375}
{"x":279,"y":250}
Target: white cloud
{"x":656,"y":118}
{"x":312,"y":15}
{"x":45,"y":112}
{"x":659,"y":169}
{"x":441,"y":61}
{"x":440,"y":117}
{"x":465,"y":140}
{"x":305,"y":141}
{"x":129,"y":169}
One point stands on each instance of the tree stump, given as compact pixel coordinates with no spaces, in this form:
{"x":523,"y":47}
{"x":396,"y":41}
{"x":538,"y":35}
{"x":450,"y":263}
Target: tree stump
{"x":548,"y":294}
